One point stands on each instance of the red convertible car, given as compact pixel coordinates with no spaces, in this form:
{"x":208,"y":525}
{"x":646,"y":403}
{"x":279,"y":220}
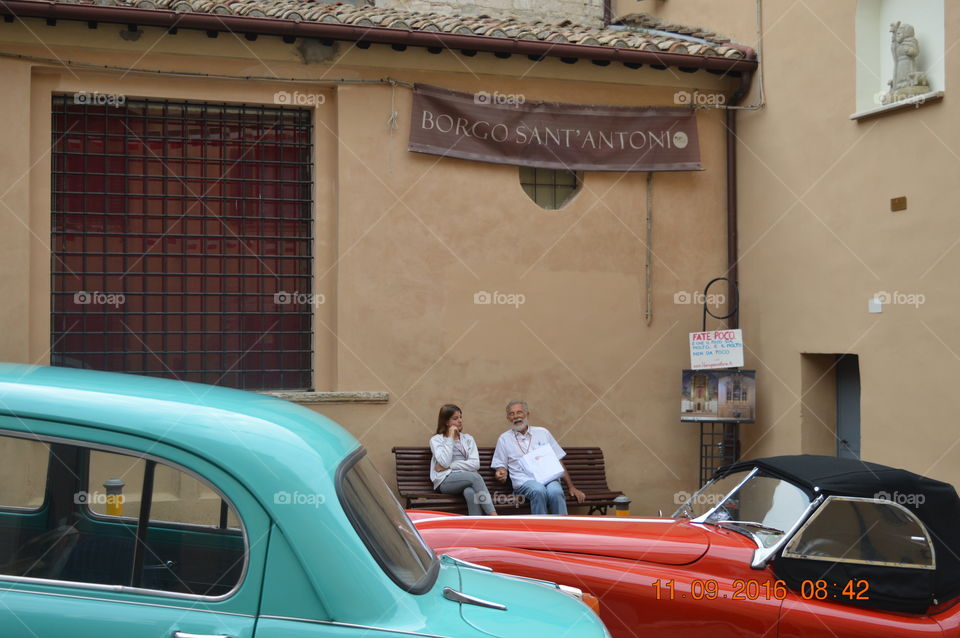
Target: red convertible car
{"x":781,"y":547}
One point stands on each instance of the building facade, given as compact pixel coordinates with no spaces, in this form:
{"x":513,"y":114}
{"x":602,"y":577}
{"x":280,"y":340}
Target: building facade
{"x":847,"y":227}
{"x":226,"y":195}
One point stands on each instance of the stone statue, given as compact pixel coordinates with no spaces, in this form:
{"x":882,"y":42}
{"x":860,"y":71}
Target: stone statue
{"x":907,"y":80}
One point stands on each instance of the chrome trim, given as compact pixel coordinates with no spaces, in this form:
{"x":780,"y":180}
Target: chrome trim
{"x":459,"y":597}
{"x":183,"y":634}
{"x":762,"y":556}
{"x":702,"y":518}
{"x":857,"y":561}
{"x":33,"y":436}
{"x":464,"y":563}
{"x":115,"y":588}
{"x":334,"y":623}
{"x":548,"y":517}
{"x":576,"y":592}
{"x":539,"y":581}
{"x":744,"y":527}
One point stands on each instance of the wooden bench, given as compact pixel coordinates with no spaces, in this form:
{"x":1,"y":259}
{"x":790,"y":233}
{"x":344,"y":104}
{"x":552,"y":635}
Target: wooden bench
{"x":585,"y":465}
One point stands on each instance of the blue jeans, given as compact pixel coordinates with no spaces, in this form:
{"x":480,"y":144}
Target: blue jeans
{"x":474,"y":491}
{"x":543,"y":497}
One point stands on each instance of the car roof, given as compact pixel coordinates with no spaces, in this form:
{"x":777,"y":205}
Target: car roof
{"x":847,"y":477}
{"x":220,"y":423}
{"x":934,"y":502}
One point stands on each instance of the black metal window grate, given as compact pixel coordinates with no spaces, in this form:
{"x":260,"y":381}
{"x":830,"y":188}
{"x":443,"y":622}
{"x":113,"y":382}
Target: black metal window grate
{"x":719,"y":446}
{"x":551,"y":189}
{"x":182,"y":241}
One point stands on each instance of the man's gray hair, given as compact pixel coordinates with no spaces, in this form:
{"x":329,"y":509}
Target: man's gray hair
{"x":518,"y":402}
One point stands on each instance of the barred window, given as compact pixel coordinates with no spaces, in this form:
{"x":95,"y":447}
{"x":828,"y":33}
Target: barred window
{"x":182,"y":241}
{"x":549,"y":188}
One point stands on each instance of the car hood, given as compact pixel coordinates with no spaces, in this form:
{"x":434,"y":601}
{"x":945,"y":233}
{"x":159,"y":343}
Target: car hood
{"x":539,"y":607}
{"x":662,"y":541}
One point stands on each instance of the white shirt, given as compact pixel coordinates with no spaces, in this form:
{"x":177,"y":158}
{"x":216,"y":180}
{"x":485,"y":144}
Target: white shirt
{"x":442,"y":448}
{"x":511,"y":446}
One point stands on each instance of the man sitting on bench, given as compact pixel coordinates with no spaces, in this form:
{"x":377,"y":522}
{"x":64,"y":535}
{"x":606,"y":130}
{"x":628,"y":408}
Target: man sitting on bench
{"x":516,"y":443}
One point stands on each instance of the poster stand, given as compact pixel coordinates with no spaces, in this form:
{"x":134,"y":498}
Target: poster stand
{"x":719,"y":446}
{"x":719,"y":440}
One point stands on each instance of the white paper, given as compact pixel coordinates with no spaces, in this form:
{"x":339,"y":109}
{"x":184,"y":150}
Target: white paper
{"x":543,"y":464}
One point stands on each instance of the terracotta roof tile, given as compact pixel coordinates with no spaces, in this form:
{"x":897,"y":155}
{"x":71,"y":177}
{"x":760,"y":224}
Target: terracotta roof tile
{"x":630,"y":32}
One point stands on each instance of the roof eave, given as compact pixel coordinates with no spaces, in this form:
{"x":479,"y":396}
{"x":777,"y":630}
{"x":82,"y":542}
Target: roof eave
{"x":375,"y":35}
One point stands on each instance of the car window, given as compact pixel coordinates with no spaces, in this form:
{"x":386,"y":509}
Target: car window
{"x":773,"y":504}
{"x":115,"y":518}
{"x":178,"y":497}
{"x":22,"y":484}
{"x":868,"y":531}
{"x":709,"y":496}
{"x":384,"y":526}
{"x":762,"y":507}
{"x":117,"y":473}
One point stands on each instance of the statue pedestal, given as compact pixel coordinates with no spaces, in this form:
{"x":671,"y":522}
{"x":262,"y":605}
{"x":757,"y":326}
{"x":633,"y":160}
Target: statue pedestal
{"x":903,"y":93}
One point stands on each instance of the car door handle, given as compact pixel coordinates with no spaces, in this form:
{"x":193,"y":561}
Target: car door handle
{"x":183,"y":634}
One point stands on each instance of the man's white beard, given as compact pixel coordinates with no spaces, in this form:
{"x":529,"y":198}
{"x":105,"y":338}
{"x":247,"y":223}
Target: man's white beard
{"x":520,"y":427}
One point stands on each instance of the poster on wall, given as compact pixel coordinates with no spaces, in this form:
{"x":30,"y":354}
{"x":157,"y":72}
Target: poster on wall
{"x":728,"y":396}
{"x":716,"y":349}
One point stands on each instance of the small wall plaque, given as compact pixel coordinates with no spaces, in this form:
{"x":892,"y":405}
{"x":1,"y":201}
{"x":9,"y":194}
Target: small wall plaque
{"x":898,"y":204}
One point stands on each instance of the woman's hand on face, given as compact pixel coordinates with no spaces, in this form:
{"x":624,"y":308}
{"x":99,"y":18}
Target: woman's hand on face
{"x":452,"y":430}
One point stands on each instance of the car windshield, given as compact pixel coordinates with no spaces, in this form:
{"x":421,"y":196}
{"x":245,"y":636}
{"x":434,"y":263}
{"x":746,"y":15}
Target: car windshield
{"x":384,"y":526}
{"x":763,"y":507}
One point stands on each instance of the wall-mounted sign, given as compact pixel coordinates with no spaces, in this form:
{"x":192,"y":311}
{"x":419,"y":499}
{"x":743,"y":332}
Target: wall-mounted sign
{"x":719,"y":395}
{"x":716,"y":349}
{"x":475,"y":126}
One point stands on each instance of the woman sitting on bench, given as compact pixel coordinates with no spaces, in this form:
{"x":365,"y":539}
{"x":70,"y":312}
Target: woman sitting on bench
{"x":453,"y":468}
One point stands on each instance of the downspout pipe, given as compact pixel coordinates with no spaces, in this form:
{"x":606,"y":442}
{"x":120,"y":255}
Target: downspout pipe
{"x":376,"y":35}
{"x":733,"y":254}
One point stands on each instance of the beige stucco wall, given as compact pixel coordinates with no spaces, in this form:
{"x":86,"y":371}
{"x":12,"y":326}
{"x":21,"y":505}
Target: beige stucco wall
{"x":405,"y":240}
{"x":818,"y":239}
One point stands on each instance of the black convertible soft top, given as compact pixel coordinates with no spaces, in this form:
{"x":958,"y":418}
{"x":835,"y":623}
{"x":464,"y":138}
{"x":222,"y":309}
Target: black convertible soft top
{"x":934,"y":502}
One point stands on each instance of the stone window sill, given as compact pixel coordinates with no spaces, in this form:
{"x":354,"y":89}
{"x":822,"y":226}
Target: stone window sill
{"x":331,"y":397}
{"x":915,"y":102}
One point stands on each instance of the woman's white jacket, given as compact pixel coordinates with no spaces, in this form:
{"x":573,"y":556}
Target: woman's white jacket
{"x":442,"y":447}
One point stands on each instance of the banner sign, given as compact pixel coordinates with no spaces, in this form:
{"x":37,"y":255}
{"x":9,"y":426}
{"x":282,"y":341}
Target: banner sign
{"x":581,"y":137}
{"x":716,"y":349}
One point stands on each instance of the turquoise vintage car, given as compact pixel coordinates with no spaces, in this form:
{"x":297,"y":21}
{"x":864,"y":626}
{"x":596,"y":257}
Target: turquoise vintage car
{"x":147,"y":508}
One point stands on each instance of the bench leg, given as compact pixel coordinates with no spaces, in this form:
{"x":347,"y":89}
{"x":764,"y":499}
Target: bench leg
{"x":597,"y":508}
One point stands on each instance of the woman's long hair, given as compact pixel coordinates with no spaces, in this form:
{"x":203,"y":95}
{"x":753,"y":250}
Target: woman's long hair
{"x":446,"y":412}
